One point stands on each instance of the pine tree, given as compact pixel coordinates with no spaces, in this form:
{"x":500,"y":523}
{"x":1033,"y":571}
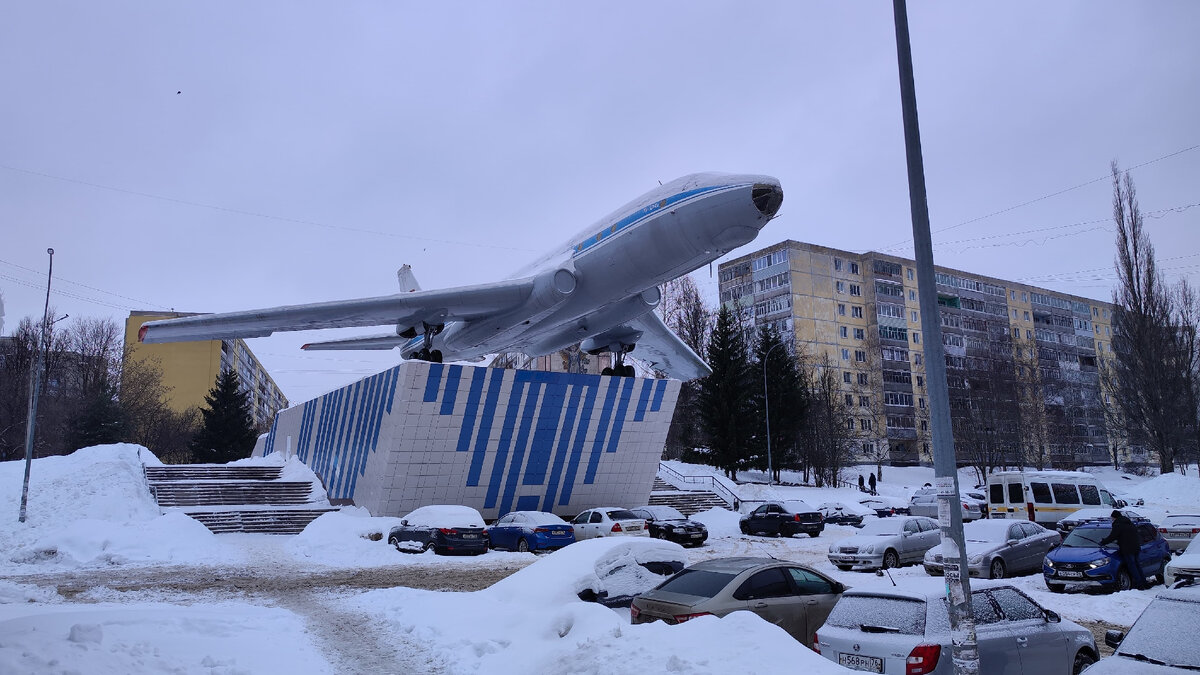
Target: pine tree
{"x":785,"y":398}
{"x":725,"y":400}
{"x":101,"y":421}
{"x":227,"y":428}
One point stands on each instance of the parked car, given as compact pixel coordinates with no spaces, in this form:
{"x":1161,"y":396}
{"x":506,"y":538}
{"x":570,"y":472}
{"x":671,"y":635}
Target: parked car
{"x":1082,"y":560}
{"x":1067,"y":524}
{"x":1000,"y":548}
{"x":1044,"y":496}
{"x":1123,"y":499}
{"x":886,"y":543}
{"x":783,"y":519}
{"x":530,"y":531}
{"x":843,"y":513}
{"x":924,"y":503}
{"x":977,"y":498}
{"x":902,"y":631}
{"x":1179,"y":530}
{"x":608,"y":521}
{"x":665,"y":522}
{"x":883,"y":506}
{"x":795,"y":597}
{"x":1184,"y":566}
{"x":632,"y":567}
{"x":1154,"y":644}
{"x":441,"y":528}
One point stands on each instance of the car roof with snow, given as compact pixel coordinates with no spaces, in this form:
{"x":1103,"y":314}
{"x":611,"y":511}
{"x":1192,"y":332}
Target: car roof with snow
{"x":1101,"y":513}
{"x":988,"y":530}
{"x":445,"y":515}
{"x":736,"y":565}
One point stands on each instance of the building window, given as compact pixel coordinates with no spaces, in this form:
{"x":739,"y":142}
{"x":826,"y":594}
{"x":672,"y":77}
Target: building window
{"x":921,"y":402}
{"x":1028,"y":334}
{"x":916,"y":338}
{"x":843,"y":331}
{"x":859,"y":334}
{"x":841,"y":309}
{"x":864,"y":401}
{"x":918,"y":359}
{"x":897,"y":398}
{"x":1105,"y":313}
{"x":920,"y":380}
{"x":1014,"y":313}
{"x":894,"y":354}
{"x":1095,"y":311}
{"x":893,"y":333}
{"x":845,"y":354}
{"x":841,"y":287}
{"x":850,"y":423}
{"x":1024,"y":298}
{"x":863,"y":379}
{"x":853,"y":268}
{"x":837,"y":264}
{"x":915,"y":319}
{"x":925,"y":427}
{"x":910,"y":274}
{"x":856,"y":312}
{"x":846,"y":377}
{"x":860,"y":356}
{"x":865,"y":425}
{"x":855,"y":289}
{"x":1026,"y":316}
{"x":849,"y":399}
{"x":912,"y":295}
{"x":1012,"y":295}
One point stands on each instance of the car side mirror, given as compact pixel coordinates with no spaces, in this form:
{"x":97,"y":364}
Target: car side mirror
{"x":1113,"y":638}
{"x":1013,"y":542}
{"x":1052,"y":616}
{"x":404,"y":522}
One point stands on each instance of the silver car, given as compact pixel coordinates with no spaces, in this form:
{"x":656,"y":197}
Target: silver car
{"x":886,"y":543}
{"x":795,"y":597}
{"x":1185,"y":566}
{"x":924,"y":503}
{"x":1179,"y":530}
{"x":897,"y":631}
{"x":1157,"y":643}
{"x":1000,"y":548}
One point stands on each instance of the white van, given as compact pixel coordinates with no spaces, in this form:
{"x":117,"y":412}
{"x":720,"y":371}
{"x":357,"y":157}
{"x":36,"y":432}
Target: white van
{"x":1045,"y":497}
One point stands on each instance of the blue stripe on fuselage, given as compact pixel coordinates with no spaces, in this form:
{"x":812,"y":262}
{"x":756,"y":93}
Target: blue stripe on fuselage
{"x":644,"y":213}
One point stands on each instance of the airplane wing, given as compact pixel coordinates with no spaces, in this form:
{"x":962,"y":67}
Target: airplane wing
{"x":403,"y":309}
{"x":661,"y":349}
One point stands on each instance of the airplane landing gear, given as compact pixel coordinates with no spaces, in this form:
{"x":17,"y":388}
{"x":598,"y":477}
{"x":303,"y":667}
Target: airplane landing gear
{"x":619,"y":369}
{"x":427,"y":353}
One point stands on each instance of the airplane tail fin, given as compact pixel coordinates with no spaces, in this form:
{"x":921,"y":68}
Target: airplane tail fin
{"x":408,"y":282}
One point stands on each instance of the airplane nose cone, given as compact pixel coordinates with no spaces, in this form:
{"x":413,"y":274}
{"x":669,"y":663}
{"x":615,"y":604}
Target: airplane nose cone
{"x":768,"y":197}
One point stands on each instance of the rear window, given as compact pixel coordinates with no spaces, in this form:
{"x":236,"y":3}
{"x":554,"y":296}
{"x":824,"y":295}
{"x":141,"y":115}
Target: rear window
{"x":996,"y":493}
{"x":897,"y":615}
{"x":1041,"y":493}
{"x":622,"y":514}
{"x":699,"y":583}
{"x":1065,"y":493}
{"x":1016,"y":493}
{"x":1090,"y":495}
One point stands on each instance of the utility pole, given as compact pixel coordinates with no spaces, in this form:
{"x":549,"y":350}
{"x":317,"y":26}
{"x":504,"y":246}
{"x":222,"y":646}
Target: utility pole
{"x":964,"y":645}
{"x":35,"y":382}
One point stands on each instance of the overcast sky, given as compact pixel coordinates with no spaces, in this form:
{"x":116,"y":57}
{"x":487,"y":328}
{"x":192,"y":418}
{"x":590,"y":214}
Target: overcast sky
{"x":221,"y":156}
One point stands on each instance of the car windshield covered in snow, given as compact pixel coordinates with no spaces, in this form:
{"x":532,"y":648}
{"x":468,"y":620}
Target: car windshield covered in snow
{"x":1086,"y":537}
{"x":879,"y":614}
{"x":1156,"y":635}
{"x":883,"y":527}
{"x":988,"y":531}
{"x":700,"y":583}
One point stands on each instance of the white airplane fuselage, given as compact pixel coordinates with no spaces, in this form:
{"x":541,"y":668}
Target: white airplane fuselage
{"x":610,"y":272}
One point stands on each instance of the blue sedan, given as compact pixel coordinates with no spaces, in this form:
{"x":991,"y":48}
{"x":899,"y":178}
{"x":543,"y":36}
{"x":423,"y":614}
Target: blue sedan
{"x":531,"y":531}
{"x":1081,"y":560}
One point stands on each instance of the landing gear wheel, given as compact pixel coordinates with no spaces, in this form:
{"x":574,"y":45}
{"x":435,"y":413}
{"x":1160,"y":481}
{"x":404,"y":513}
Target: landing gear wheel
{"x":435,"y":356}
{"x":606,"y":372}
{"x":997,"y":569}
{"x":891,"y":559}
{"x":627,"y":371}
{"x":522,"y":546}
{"x":1082,"y":660}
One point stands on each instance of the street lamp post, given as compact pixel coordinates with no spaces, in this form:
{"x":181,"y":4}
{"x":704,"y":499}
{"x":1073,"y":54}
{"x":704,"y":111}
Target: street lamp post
{"x":767,"y":409}
{"x":35,"y":381}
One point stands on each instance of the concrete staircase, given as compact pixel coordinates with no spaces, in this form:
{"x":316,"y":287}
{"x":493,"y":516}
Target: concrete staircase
{"x":686,"y":502}
{"x":235,"y":498}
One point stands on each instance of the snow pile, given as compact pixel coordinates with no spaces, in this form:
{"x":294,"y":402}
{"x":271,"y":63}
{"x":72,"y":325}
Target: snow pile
{"x":292,"y":470}
{"x":92,"y":507}
{"x":532,"y":622}
{"x":117,"y":639}
{"x":1170,"y":491}
{"x":350,"y":537}
{"x":720,"y":522}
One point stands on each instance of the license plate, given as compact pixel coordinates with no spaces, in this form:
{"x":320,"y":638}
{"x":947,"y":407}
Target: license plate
{"x":470,"y":536}
{"x":697,"y":535}
{"x":1071,"y":575}
{"x":634,"y":528}
{"x":558,"y":533}
{"x":870,"y":664}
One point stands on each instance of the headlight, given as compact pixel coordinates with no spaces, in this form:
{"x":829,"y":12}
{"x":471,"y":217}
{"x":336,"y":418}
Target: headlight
{"x":869,"y":548}
{"x":1099,"y":563}
{"x":833,"y":548}
{"x":975,"y":560}
{"x":1047,"y":562}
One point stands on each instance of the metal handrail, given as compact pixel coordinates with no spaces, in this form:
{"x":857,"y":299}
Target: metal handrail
{"x":707,"y":482}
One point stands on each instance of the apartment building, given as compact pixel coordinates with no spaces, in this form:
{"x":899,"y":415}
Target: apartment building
{"x":190,"y":369}
{"x":1023,"y":363}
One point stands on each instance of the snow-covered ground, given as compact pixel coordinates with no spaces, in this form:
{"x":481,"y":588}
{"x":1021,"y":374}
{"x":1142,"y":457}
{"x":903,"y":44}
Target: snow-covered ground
{"x":70,"y":601}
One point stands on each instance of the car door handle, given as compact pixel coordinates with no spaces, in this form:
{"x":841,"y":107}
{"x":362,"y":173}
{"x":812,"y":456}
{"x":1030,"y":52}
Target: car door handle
{"x":759,"y":605}
{"x":811,"y":602}
{"x":1021,"y":642}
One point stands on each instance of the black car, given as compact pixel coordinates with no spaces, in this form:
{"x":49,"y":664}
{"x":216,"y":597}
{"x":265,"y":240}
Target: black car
{"x":783,"y":519}
{"x":664,"y":522}
{"x":840,"y":513}
{"x":443,"y":529}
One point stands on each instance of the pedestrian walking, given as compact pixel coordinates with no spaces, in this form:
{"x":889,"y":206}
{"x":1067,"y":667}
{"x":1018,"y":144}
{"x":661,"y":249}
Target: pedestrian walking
{"x":861,"y":486}
{"x":872,"y":483}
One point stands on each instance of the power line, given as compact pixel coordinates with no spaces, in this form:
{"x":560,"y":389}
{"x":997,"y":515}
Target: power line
{"x":267,"y":216}
{"x":144,"y":303}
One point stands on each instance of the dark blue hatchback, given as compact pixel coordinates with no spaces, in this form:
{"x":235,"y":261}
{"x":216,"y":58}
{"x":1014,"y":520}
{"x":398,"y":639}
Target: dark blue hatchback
{"x":1081,"y":560}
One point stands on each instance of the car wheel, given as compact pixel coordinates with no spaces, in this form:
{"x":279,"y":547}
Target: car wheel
{"x":1056,"y":588}
{"x":814,"y":535}
{"x":395,"y":541}
{"x":744,"y":529}
{"x":891,"y":559}
{"x":1082,"y":660}
{"x":997,"y":569}
{"x":1162,"y":572}
{"x":845,"y":568}
{"x":522,"y":546}
{"x":429,"y":546}
{"x":1124,"y":581}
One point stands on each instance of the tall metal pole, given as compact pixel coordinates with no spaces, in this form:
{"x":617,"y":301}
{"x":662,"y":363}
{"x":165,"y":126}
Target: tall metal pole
{"x":767,"y":409}
{"x":35,"y":384}
{"x":958,"y":586}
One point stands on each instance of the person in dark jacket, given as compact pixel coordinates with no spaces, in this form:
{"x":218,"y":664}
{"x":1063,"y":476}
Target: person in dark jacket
{"x":862,"y":487}
{"x":871,"y":482}
{"x":1124,"y":532}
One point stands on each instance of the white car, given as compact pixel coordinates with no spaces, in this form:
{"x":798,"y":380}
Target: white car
{"x":1179,"y":530}
{"x":1186,"y":564}
{"x":887,"y":543}
{"x":608,"y":521}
